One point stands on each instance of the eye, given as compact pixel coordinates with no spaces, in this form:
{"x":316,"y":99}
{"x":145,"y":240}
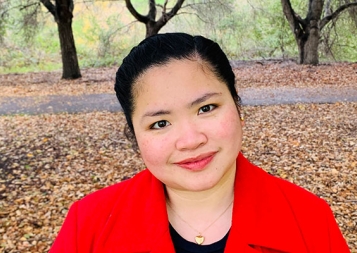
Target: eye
{"x":206,"y":108}
{"x":160,"y":124}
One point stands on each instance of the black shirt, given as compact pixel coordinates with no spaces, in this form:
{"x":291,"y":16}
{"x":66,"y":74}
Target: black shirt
{"x":183,"y":246}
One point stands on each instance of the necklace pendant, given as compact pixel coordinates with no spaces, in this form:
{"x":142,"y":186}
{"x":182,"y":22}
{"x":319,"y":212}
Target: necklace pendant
{"x":199,"y":239}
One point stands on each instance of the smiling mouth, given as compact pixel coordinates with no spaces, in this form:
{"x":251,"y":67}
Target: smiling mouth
{"x":197,"y":163}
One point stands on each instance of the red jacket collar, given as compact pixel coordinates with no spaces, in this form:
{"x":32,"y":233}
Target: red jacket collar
{"x":259,"y":208}
{"x":255,"y":216}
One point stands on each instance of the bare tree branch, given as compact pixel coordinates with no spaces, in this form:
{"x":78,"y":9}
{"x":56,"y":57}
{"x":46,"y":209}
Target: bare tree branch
{"x":165,"y":6}
{"x":195,"y":4}
{"x":167,"y":16}
{"x":134,"y":12}
{"x":22,"y":7}
{"x":152,"y":10}
{"x":195,"y":14}
{"x":49,"y":6}
{"x":328,"y":18}
{"x":295,"y":21}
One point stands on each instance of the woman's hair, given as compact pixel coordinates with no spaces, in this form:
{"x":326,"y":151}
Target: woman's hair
{"x":159,"y":50}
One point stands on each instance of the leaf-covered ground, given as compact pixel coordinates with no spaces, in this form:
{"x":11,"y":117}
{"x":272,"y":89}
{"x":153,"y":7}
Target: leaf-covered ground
{"x":48,"y":161}
{"x":251,"y":74}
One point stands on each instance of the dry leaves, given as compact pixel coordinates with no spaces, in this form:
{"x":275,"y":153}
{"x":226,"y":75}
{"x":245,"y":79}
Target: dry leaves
{"x":249,"y":74}
{"x":314,"y":146}
{"x":48,"y":161}
{"x":94,"y":81}
{"x":277,"y":74}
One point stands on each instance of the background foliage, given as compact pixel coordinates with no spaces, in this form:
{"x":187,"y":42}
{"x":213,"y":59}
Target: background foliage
{"x":105,"y":31}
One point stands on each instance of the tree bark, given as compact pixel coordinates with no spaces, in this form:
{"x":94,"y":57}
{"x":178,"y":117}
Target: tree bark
{"x":310,"y":46}
{"x":63,"y":14}
{"x":70,"y":66}
{"x":153,"y":26}
{"x":333,"y":15}
{"x":307,"y":31}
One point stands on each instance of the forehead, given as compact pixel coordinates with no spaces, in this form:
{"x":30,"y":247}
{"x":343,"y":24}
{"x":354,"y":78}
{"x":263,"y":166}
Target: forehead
{"x":175,"y":84}
{"x":174,"y":71}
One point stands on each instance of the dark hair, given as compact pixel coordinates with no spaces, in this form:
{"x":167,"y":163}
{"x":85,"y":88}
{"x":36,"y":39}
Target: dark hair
{"x":159,"y":50}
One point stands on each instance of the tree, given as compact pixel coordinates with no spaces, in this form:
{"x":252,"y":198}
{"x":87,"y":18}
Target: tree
{"x":153,"y":26}
{"x":307,"y":31}
{"x":62,"y":11}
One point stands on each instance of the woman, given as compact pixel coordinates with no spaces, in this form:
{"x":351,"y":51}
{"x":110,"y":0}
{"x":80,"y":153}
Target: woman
{"x":198,"y":193}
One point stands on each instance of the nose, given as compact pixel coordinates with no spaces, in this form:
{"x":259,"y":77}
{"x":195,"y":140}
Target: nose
{"x":190,"y":137}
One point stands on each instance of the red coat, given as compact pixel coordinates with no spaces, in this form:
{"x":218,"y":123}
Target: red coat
{"x":269,"y":215}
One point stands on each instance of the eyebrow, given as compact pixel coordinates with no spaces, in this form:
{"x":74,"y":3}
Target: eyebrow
{"x":204,"y":98}
{"x":156,"y":113}
{"x":195,"y":102}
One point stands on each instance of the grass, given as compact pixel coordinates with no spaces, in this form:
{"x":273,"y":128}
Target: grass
{"x":31,"y":68}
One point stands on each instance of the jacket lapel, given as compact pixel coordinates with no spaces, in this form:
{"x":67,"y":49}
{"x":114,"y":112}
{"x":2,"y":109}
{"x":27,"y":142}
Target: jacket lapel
{"x":138,"y":222}
{"x":262,"y":218}
{"x":157,"y":220}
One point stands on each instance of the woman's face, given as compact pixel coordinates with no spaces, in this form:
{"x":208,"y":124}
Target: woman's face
{"x":187,"y":125}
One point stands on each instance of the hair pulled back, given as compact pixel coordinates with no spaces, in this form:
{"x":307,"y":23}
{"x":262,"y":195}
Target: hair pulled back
{"x":160,"y":49}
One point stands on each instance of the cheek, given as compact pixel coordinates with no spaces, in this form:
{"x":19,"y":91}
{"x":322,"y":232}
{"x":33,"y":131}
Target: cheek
{"x":154,"y":151}
{"x":230,"y":126}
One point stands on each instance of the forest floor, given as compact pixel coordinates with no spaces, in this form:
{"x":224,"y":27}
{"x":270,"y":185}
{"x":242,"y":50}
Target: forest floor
{"x":49,"y":160}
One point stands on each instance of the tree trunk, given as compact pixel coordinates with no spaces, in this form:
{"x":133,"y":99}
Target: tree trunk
{"x":308,"y":43}
{"x":306,"y":31}
{"x":62,"y":12}
{"x":152,"y":28}
{"x":63,"y":15}
{"x":68,"y":51}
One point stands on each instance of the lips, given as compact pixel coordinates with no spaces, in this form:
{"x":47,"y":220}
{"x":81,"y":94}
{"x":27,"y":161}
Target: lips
{"x":197,"y":163}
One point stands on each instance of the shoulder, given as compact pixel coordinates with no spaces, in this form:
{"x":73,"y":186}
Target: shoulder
{"x":91,"y":220}
{"x":294,"y":192}
{"x":271,"y":185}
{"x":276,"y":193}
{"x":293,"y":216}
{"x":97,"y":207}
{"x":95,"y":211}
{"x":108,"y":196}
{"x":299,"y":199}
{"x":312,"y":213}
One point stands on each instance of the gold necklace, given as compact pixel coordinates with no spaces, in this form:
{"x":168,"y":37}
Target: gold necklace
{"x":199,"y":239}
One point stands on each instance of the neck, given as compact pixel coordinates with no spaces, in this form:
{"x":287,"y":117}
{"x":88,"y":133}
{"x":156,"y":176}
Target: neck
{"x":216,"y":196}
{"x":190,"y":213}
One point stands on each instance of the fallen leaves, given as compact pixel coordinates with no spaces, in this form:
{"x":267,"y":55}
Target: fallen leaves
{"x":70,"y":156}
{"x":314,"y":147}
{"x":94,"y":81}
{"x":285,"y":73}
{"x":48,"y":161}
{"x":249,"y":74}
{"x":75,"y":154}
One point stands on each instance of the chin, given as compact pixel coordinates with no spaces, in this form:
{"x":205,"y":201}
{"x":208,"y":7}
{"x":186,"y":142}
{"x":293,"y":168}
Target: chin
{"x":196,"y":186}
